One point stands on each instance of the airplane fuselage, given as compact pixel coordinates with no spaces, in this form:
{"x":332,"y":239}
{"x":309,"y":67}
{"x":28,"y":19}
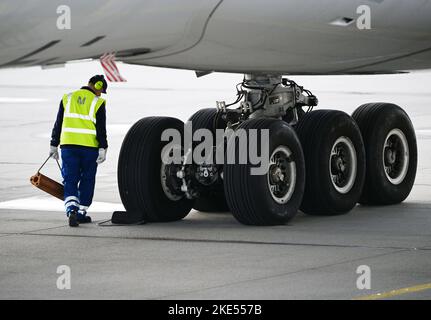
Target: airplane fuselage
{"x":277,"y":36}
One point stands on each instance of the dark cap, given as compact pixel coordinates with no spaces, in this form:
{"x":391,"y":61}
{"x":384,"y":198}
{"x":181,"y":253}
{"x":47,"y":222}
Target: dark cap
{"x":100,"y":77}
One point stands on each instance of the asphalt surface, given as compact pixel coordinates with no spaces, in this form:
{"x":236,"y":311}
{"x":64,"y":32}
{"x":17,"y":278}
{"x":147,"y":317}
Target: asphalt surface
{"x":205,"y":256}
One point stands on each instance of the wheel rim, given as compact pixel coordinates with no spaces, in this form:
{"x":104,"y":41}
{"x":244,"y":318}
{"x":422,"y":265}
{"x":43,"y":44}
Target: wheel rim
{"x":396,"y":156}
{"x":343,"y":165}
{"x":167,"y":172}
{"x":281,"y":175}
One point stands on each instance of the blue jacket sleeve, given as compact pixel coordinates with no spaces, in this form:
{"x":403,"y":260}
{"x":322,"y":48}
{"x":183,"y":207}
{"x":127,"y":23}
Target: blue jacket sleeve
{"x":56,"y":131}
{"x":101,"y":127}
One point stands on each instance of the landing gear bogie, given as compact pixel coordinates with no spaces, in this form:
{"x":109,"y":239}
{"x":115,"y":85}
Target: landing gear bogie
{"x":323,"y":162}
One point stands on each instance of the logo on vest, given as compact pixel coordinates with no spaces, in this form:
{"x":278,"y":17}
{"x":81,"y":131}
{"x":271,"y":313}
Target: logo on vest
{"x":81,"y":100}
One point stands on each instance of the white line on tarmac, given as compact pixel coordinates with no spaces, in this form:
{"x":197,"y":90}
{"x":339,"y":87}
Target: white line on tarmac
{"x":53,"y":204}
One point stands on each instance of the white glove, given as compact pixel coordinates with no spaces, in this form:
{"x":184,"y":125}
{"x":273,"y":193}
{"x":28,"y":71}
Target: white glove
{"x":53,"y":152}
{"x":102,"y":156}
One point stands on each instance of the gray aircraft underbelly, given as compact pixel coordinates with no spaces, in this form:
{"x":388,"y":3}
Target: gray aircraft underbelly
{"x":277,"y":36}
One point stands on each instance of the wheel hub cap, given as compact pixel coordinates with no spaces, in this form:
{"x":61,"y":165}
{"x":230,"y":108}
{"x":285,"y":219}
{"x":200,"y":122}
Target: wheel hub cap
{"x":343,"y":165}
{"x":396,"y":156}
{"x":281,"y":175}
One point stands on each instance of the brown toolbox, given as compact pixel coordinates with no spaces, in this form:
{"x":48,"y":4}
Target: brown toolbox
{"x":48,"y":185}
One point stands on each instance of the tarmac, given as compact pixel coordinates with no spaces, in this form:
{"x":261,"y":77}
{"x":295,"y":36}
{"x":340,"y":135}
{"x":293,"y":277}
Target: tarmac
{"x":205,"y":256}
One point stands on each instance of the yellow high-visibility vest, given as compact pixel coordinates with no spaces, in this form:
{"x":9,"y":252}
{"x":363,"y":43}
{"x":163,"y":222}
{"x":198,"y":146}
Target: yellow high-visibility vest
{"x":79,"y":120}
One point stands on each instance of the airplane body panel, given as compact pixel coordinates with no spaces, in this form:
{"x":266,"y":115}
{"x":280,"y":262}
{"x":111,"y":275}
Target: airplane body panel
{"x":296,"y":36}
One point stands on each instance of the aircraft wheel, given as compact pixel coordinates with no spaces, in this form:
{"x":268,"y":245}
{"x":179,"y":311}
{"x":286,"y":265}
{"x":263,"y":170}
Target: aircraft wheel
{"x":213,"y":198}
{"x":391,"y":151}
{"x":334,"y":162}
{"x":146,"y":185}
{"x":274,"y":197}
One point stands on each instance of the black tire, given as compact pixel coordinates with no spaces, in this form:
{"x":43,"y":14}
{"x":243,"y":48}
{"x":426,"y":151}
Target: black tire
{"x":249,"y":196}
{"x":208,"y":119}
{"x":321,"y":133}
{"x":139,"y":172}
{"x":376,"y":121}
{"x":213,"y":198}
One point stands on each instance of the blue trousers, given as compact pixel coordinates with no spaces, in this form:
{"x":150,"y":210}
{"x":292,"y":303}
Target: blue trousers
{"x":79,"y":177}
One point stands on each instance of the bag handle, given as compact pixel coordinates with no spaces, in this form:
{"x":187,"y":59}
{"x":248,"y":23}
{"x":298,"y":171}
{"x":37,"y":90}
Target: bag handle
{"x":46,"y":162}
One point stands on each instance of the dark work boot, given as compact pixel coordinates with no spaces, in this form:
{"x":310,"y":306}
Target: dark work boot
{"x":83,"y":218}
{"x":73,"y":219}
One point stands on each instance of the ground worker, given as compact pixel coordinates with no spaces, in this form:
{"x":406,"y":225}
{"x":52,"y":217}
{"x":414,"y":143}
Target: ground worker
{"x":80,"y":130}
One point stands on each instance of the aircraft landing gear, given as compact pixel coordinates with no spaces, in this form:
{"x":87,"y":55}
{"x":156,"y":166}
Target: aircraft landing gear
{"x":322,"y":162}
